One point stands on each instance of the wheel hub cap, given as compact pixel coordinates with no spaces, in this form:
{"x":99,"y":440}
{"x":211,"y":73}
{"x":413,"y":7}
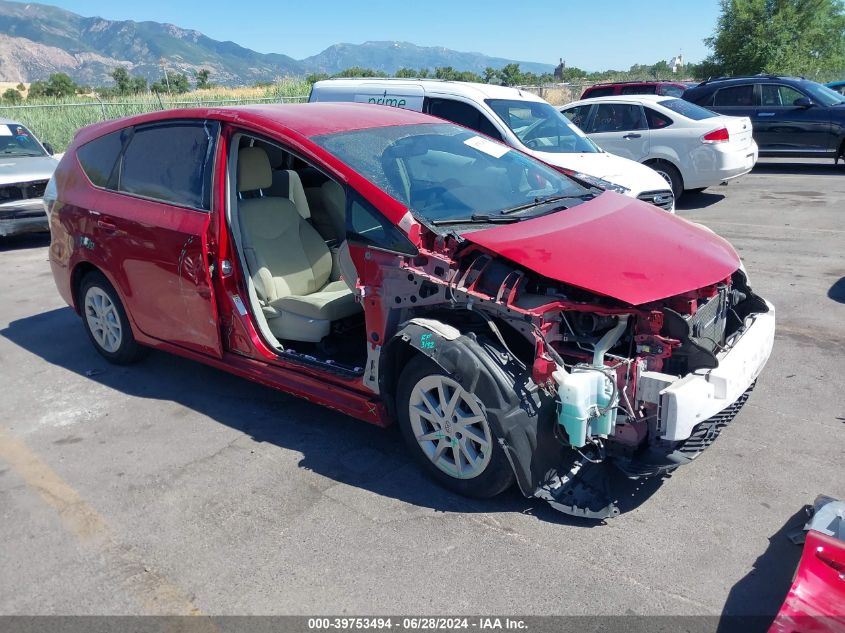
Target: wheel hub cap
{"x":450,"y":427}
{"x":103,"y":320}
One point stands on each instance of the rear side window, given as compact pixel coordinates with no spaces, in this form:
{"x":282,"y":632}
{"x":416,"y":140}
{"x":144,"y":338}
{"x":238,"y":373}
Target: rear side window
{"x":735,"y":96}
{"x":687,"y":109}
{"x":639,"y":90}
{"x":99,"y":157}
{"x":463,"y":114}
{"x":171,"y":162}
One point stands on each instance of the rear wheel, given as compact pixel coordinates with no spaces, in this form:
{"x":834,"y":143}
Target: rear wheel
{"x":448,"y":432}
{"x":105,"y":321}
{"x":671,"y":175}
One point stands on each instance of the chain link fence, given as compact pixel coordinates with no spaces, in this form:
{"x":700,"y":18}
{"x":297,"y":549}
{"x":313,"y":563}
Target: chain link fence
{"x":56,"y":122}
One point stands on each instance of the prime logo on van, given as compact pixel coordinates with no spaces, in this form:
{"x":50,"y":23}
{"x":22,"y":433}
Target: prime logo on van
{"x":411,"y":102}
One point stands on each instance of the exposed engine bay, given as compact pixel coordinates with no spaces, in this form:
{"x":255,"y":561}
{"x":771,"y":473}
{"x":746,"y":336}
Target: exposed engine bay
{"x":643,"y":387}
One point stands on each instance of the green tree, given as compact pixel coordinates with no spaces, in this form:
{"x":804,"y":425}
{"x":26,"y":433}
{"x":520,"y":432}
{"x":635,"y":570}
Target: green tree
{"x":20,"y":87}
{"x":315,"y":77}
{"x":445,"y":72}
{"x":511,"y":75}
{"x":12,"y":96}
{"x":406,"y":73}
{"x":122,"y":80}
{"x":175,"y":83}
{"x":57,"y":85}
{"x":358,"y":71}
{"x":202,"y":79}
{"x":797,"y":37}
{"x":490,"y":75}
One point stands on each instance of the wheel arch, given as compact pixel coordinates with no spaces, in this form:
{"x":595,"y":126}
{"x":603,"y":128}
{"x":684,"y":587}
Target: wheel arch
{"x":516,"y":411}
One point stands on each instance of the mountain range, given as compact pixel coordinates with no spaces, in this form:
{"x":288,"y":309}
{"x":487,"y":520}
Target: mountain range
{"x":37,"y":40}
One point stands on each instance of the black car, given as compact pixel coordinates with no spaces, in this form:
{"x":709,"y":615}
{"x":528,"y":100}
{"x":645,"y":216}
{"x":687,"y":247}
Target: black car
{"x":790,"y":116}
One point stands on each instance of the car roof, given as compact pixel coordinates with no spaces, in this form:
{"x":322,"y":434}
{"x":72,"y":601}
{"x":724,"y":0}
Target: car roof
{"x":9,"y":122}
{"x":468,"y":89}
{"x":304,"y":119}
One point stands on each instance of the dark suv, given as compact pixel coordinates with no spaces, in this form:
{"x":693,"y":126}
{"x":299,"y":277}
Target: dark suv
{"x":790,"y":116}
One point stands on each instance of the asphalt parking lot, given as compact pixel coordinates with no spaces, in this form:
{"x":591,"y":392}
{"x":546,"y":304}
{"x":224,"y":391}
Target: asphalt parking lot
{"x":170,"y":487}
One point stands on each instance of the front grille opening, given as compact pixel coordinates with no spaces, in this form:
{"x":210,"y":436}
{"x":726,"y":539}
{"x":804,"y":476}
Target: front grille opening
{"x":23,"y":191}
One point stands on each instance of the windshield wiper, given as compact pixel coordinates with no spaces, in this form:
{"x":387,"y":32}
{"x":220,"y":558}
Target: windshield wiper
{"x":541,"y":201}
{"x":476,"y":218}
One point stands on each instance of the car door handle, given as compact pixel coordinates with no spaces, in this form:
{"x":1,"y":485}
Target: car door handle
{"x":632,"y":135}
{"x":765,"y":114}
{"x":106,"y":225}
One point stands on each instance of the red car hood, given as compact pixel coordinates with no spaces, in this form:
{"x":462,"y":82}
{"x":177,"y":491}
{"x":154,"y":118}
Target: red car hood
{"x":615,"y":246}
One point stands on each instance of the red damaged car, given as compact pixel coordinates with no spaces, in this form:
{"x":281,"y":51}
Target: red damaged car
{"x":518,"y":324}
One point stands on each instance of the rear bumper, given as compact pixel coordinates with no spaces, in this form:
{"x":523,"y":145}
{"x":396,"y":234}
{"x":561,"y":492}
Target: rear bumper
{"x":698,"y":397}
{"x":713,"y":164}
{"x":23,"y":216}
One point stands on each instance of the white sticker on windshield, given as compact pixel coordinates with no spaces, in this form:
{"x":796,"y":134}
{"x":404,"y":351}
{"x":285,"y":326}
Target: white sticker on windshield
{"x":5,"y":131}
{"x":487,"y":146}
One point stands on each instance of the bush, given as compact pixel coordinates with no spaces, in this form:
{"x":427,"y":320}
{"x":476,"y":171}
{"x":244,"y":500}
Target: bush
{"x":12,"y":96}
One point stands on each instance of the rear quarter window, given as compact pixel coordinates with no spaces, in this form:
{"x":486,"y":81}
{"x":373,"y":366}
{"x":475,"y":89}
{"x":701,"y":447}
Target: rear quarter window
{"x":598,"y":92}
{"x":99,"y":157}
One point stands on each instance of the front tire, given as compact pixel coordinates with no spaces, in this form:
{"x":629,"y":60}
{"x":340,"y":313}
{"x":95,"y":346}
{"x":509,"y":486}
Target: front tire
{"x":106,"y":322}
{"x":448,"y":432}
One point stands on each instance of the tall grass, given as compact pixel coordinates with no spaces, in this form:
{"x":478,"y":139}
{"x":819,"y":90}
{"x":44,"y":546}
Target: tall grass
{"x":55,"y":121}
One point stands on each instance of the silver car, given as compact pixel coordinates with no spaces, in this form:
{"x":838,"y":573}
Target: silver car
{"x":26,"y":166}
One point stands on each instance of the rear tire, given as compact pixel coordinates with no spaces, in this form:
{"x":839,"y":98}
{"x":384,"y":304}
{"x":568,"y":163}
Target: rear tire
{"x":671,"y":175}
{"x":105,"y":321}
{"x":447,"y":431}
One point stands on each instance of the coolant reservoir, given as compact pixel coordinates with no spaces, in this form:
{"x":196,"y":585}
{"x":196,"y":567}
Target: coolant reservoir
{"x":582,"y":394}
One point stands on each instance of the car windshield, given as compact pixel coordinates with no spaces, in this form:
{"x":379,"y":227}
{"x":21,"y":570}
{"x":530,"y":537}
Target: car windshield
{"x":541,"y":127}
{"x":687,"y":109}
{"x":16,"y":140}
{"x":822,"y":94}
{"x":443,"y":172}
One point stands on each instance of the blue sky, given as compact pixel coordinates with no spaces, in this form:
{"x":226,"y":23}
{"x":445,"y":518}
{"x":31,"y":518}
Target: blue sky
{"x":592,"y":35}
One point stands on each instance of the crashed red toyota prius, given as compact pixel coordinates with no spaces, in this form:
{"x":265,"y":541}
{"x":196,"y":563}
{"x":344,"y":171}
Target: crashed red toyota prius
{"x":519,"y":324}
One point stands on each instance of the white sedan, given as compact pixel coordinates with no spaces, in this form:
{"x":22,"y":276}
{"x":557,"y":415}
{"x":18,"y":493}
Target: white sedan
{"x":691,"y":147}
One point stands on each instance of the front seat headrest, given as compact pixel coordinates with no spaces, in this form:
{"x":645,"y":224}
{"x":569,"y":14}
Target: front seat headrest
{"x":253,"y":169}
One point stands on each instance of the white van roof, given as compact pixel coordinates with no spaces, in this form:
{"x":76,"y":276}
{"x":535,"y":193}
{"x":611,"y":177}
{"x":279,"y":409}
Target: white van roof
{"x":475,"y":91}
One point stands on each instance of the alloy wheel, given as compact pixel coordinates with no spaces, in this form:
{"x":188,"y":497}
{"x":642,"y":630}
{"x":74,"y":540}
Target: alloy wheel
{"x":103,"y":319}
{"x":450,"y":426}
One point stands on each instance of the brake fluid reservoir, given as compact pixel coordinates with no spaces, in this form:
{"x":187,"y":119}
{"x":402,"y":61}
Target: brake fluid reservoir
{"x":577,"y":393}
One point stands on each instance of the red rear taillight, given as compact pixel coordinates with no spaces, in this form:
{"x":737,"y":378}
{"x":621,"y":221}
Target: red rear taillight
{"x":716,"y":136}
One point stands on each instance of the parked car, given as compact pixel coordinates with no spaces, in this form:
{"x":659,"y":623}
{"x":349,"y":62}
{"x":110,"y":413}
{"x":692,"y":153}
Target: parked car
{"x":816,"y":600}
{"x":837,"y":86}
{"x":25,"y":167}
{"x":791,"y":117}
{"x":516,"y":117}
{"x":657,"y":87}
{"x":516,"y":323}
{"x":692,"y":148}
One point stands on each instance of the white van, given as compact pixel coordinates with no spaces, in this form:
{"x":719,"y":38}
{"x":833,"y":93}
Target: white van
{"x":516,"y":117}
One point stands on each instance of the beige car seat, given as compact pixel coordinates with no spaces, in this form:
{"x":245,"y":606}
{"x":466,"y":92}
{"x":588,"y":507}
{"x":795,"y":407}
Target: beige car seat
{"x":288,"y":260}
